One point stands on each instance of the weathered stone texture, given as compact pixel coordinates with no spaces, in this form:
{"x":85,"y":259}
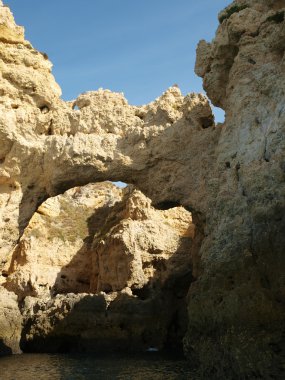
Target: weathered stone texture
{"x":10,"y":323}
{"x":100,"y":238}
{"x":96,"y":323}
{"x":103,"y":240}
{"x":105,"y":139}
{"x":237,"y":306}
{"x":230,"y":176}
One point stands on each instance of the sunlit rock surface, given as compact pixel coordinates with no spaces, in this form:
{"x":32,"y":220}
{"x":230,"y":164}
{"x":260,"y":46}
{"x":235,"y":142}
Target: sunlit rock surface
{"x":230,"y":176}
{"x":100,"y":238}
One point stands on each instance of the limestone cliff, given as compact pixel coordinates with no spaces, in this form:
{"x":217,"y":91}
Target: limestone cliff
{"x":105,"y":139}
{"x":230,"y":176}
{"x":99,"y":239}
{"x":236,"y":309}
{"x":10,"y":323}
{"x":54,"y":254}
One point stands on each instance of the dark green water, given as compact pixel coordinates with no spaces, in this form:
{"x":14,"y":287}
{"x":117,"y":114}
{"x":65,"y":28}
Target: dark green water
{"x":81,"y":367}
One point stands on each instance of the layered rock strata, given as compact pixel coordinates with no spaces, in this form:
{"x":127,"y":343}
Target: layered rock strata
{"x":230,"y":176}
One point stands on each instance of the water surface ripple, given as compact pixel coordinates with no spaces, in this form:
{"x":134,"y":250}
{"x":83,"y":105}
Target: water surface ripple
{"x":81,"y":367}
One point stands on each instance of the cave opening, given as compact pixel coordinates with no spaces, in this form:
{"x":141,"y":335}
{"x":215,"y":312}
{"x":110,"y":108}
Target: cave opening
{"x":167,"y":204}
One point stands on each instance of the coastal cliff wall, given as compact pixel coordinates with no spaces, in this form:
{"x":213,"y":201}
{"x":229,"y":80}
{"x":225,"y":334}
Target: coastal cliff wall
{"x":230,"y":177}
{"x":237,"y":305}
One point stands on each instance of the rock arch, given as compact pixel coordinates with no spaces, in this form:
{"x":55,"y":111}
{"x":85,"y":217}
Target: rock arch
{"x":231,"y":175}
{"x":156,"y":147}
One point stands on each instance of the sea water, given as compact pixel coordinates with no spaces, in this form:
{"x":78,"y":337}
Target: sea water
{"x":80,"y":367}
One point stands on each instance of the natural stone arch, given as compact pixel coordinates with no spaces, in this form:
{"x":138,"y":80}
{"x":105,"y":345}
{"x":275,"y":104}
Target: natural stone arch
{"x":48,"y":146}
{"x":155,"y":146}
{"x":233,"y":175}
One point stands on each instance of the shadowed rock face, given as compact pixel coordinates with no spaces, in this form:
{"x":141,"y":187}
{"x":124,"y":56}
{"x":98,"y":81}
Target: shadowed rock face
{"x":99,"y":239}
{"x":10,"y":323}
{"x":230,"y":176}
{"x":102,"y":323}
{"x":54,"y":254}
{"x":236,"y":309}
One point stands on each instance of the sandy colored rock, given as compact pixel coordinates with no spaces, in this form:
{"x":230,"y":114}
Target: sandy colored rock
{"x":105,"y":139}
{"x":100,"y":238}
{"x":240,"y":295}
{"x":98,"y":323}
{"x":139,"y":246}
{"x":10,"y":323}
{"x":9,"y":31}
{"x":231,"y":177}
{"x":54,"y":254}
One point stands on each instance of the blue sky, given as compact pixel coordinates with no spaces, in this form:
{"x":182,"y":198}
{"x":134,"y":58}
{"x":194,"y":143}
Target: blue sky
{"x":136,"y":47}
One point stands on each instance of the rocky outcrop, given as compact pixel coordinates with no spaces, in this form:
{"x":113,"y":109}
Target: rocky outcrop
{"x":100,"y":238}
{"x":111,"y":242}
{"x":141,"y":248}
{"x":120,"y":154}
{"x":27,"y":91}
{"x":10,"y":323}
{"x":54,"y":254}
{"x":103,"y":323}
{"x":236,"y":309}
{"x":230,"y":176}
{"x":104,"y":139}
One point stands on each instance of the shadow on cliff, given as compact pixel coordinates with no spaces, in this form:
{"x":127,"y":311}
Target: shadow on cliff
{"x":154,"y":316}
{"x":81,"y":263}
{"x":4,"y":350}
{"x":157,"y":314}
{"x":32,"y":198}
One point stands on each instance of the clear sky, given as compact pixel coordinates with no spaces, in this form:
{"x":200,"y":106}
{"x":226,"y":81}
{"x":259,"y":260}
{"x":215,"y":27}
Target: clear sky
{"x":136,"y":47}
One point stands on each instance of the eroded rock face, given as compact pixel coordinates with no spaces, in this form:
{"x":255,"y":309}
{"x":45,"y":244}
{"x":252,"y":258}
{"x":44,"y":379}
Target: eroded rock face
{"x":54,"y":254}
{"x":230,"y":176}
{"x":29,"y":96}
{"x":106,"y":139}
{"x":10,"y":323}
{"x":111,"y":242}
{"x":100,"y":238}
{"x":139,"y":246}
{"x":97,"y":323}
{"x":240,"y":295}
